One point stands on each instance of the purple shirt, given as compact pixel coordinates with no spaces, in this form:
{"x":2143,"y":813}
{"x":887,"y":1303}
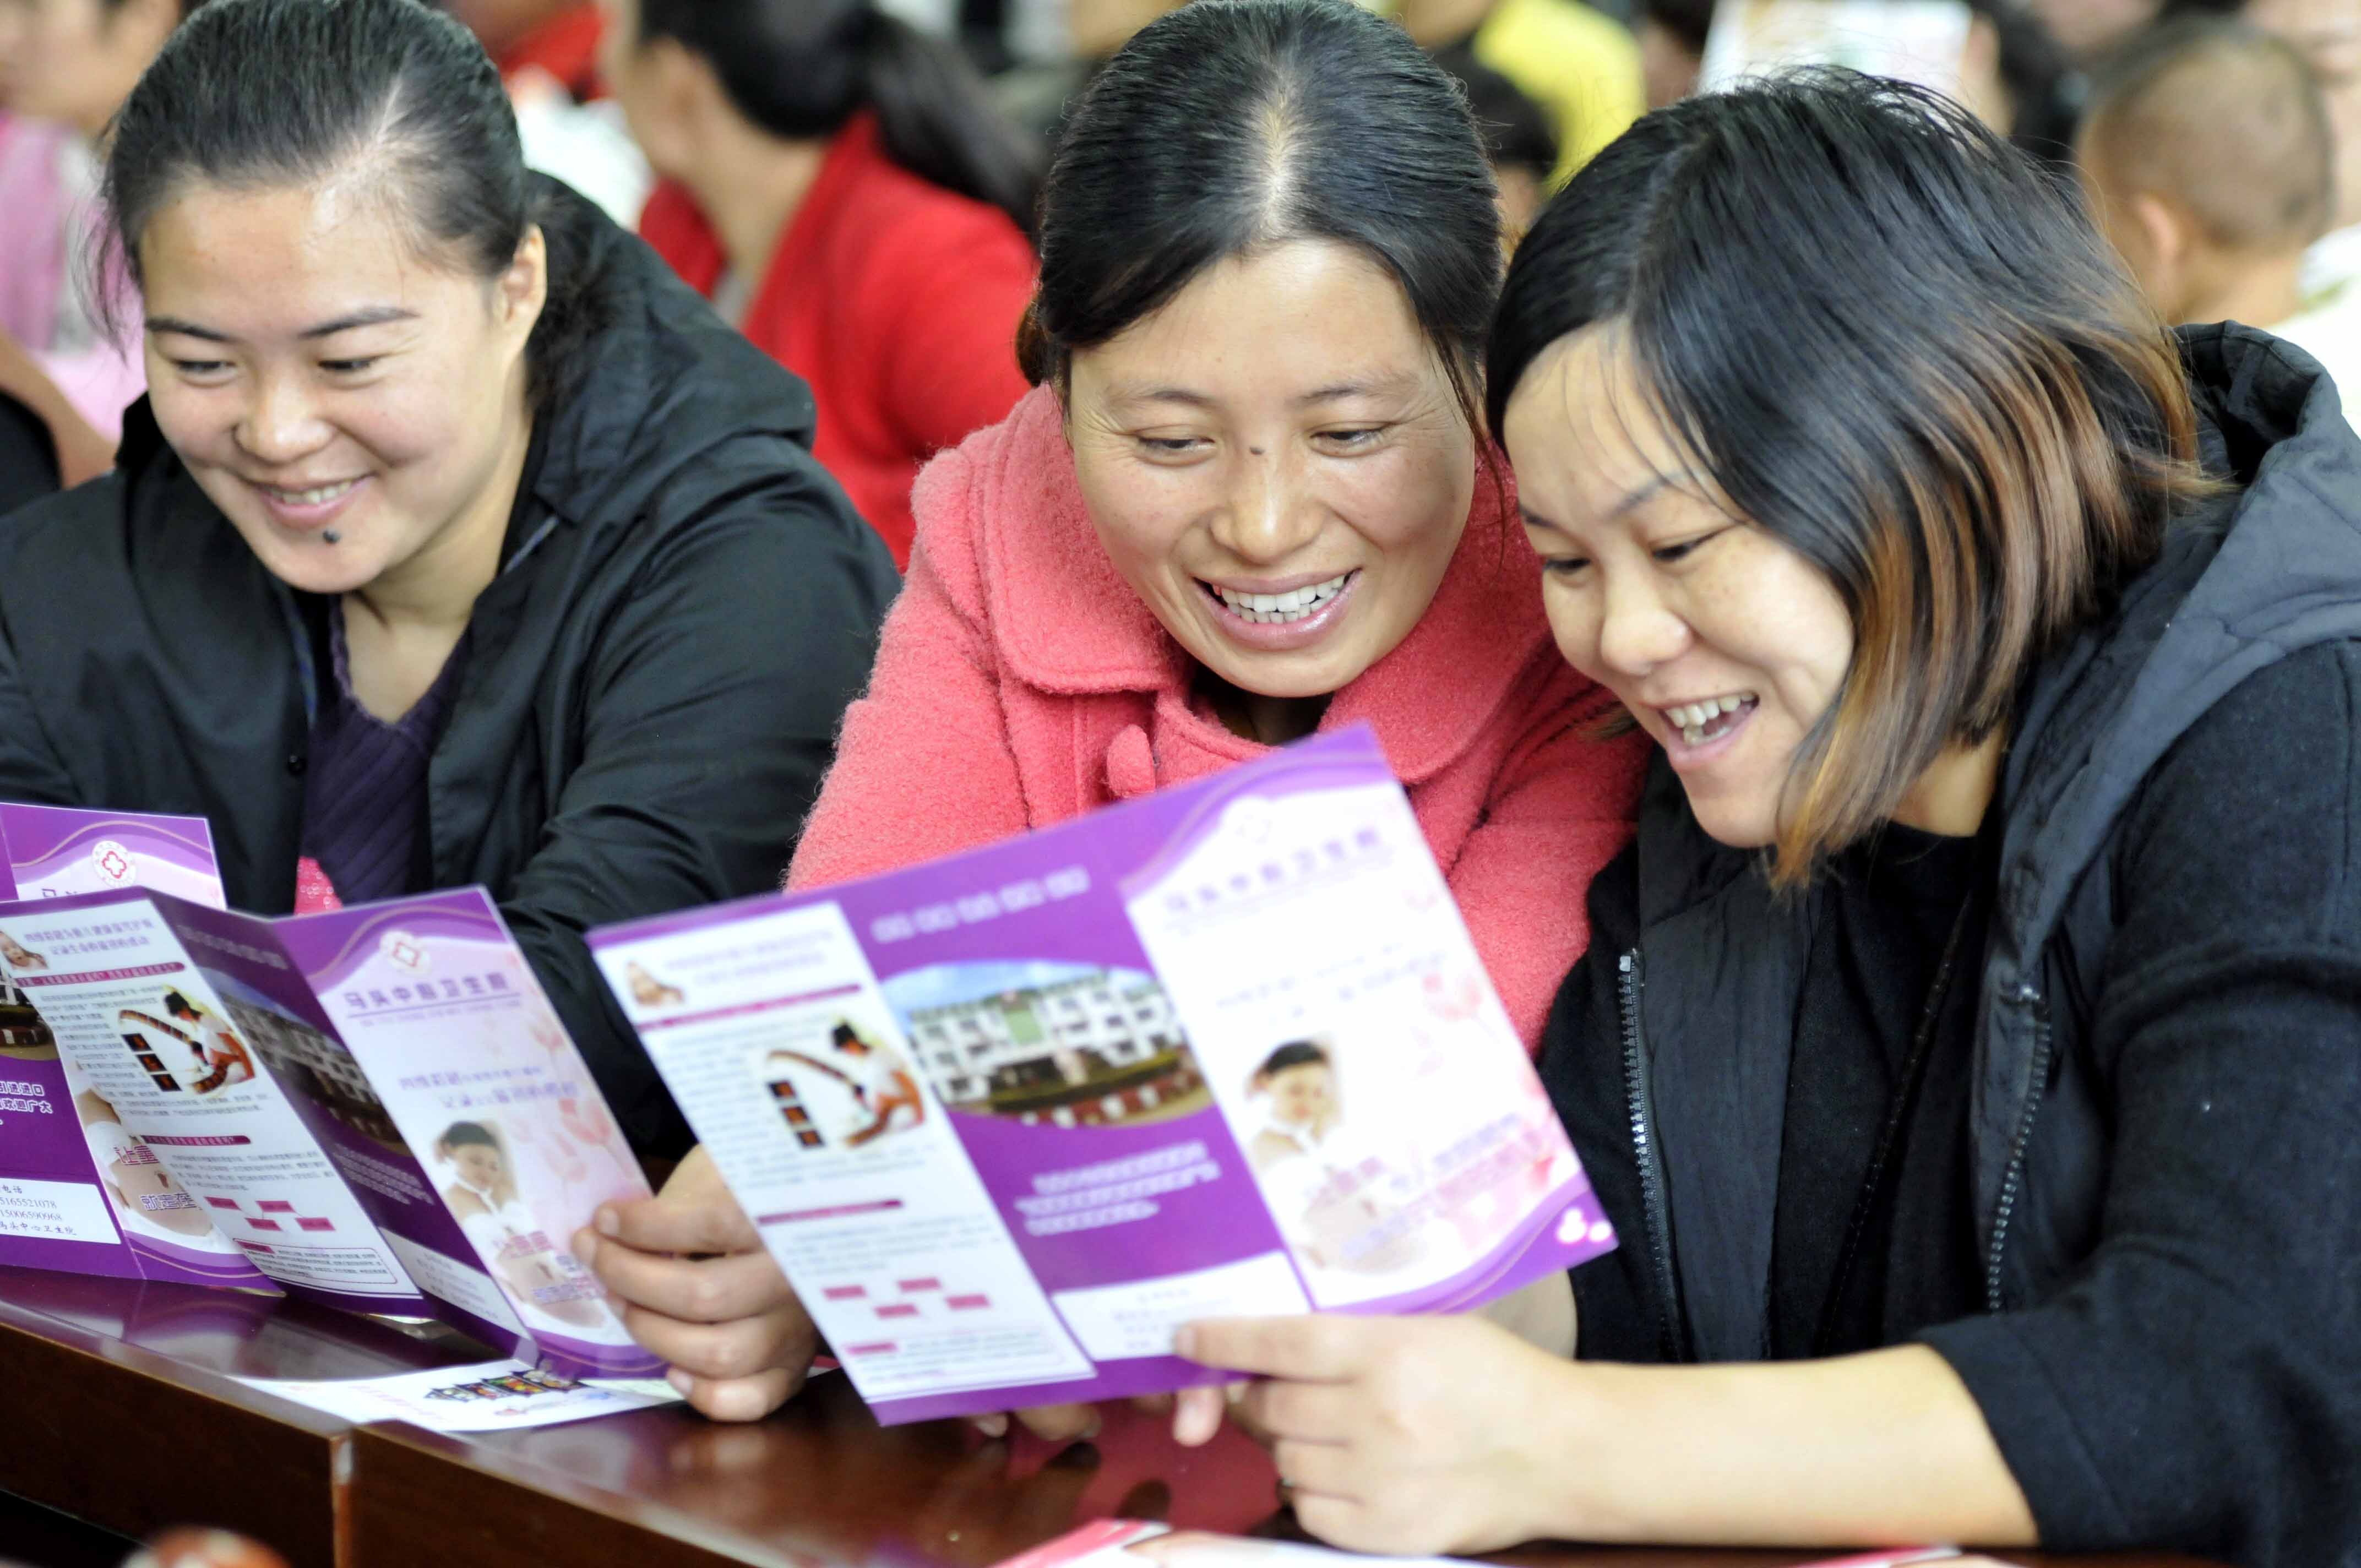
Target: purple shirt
{"x":365,"y":821}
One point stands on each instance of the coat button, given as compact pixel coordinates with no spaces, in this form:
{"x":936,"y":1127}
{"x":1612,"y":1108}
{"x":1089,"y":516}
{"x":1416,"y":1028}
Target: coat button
{"x":1130,"y":764}
{"x":296,"y":762}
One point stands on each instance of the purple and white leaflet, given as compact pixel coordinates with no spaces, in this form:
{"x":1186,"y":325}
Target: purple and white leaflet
{"x":1008,"y":1119}
{"x":57,"y":851}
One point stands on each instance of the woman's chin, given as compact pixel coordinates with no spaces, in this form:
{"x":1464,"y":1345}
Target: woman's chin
{"x":1736,"y":825}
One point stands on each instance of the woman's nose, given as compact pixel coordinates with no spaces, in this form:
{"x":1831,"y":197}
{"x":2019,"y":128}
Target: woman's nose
{"x":280,"y":425}
{"x":1637,"y":631}
{"x":1267,"y":515}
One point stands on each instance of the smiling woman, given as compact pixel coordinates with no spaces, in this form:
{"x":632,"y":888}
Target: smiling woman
{"x":1247,"y":499}
{"x":455,"y":542}
{"x":1968,"y":1052}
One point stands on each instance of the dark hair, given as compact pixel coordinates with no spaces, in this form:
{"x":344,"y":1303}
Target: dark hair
{"x":2226,"y":119}
{"x":262,"y":92}
{"x":2044,"y":89}
{"x":1517,"y":131}
{"x":1687,"y":20}
{"x":1228,"y":125}
{"x":1295,"y":1053}
{"x":1896,"y":345}
{"x":803,"y":68}
{"x":462,"y":1134}
{"x":174,"y":1003}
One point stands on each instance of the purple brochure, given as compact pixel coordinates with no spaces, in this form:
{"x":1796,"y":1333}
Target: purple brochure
{"x":443,"y":1017}
{"x":147,"y":1030}
{"x":253,"y":969}
{"x":79,"y":1193}
{"x":1009,"y":1118}
{"x":56,"y":851}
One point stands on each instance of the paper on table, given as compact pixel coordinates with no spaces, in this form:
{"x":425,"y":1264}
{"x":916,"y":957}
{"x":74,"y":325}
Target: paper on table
{"x":491,"y":1395}
{"x":1136,"y":1543}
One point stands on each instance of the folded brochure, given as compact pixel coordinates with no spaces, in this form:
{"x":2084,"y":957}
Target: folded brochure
{"x":375,"y":1108}
{"x":1006,"y":1120}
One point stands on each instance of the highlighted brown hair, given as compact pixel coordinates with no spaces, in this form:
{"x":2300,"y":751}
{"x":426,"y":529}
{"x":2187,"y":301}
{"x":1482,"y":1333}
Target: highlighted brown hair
{"x":1895,"y":343}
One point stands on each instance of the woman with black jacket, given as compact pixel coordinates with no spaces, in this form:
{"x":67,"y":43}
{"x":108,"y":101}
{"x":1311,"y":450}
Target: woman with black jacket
{"x":456,"y":542}
{"x":1969,"y":1050}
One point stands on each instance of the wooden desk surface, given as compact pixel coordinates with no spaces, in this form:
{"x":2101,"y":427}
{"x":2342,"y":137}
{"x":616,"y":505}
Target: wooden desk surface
{"x":122,"y":1411}
{"x":133,"y":1425}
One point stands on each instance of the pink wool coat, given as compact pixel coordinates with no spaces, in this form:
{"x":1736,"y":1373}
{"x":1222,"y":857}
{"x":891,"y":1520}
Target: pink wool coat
{"x":1021,"y":681}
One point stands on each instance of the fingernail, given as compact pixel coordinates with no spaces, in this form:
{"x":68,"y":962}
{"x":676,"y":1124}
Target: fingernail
{"x":680,"y":1380}
{"x":1185,"y":1342}
{"x":992,"y":1426}
{"x":586,"y":1247}
{"x":607,"y":1222}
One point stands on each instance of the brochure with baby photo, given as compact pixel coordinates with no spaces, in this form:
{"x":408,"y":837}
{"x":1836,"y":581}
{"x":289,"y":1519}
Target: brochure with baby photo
{"x":1008,"y":1119}
{"x":375,"y":1108}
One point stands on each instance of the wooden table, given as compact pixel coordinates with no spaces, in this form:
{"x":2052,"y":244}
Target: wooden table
{"x":121,"y":1413}
{"x":120,"y":1410}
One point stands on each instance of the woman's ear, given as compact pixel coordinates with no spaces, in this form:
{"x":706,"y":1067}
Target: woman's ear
{"x":523,"y":289}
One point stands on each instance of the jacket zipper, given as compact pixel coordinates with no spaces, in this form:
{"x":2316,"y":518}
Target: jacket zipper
{"x":2013,"y":1177}
{"x":1642,"y":1103}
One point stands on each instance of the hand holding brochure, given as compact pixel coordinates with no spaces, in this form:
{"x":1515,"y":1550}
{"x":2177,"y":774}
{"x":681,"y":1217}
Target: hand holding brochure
{"x":1007,"y":1120}
{"x":375,"y":1108}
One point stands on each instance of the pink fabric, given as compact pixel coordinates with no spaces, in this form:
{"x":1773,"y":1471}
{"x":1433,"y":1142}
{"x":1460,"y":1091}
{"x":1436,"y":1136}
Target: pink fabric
{"x":1021,"y":681}
{"x":36,"y":244}
{"x":315,"y":894}
{"x":32,"y":242}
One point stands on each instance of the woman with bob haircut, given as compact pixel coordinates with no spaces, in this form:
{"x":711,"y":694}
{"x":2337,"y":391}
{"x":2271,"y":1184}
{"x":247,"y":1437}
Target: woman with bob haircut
{"x":1969,"y":1048}
{"x":456,"y":541}
{"x":1247,"y":499}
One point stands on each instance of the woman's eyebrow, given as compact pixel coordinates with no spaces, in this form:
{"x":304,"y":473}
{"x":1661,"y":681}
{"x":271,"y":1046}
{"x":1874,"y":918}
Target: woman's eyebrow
{"x":373,"y":315}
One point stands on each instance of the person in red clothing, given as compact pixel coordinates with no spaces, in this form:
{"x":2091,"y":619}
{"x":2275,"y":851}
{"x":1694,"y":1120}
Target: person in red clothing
{"x":1251,"y":500}
{"x":559,"y":36}
{"x":839,"y":186}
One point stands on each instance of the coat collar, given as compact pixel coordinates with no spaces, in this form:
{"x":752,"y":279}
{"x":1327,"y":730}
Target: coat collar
{"x":1063,"y":621}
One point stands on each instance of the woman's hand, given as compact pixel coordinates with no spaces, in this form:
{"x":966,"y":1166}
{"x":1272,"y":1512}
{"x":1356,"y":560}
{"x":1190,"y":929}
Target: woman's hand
{"x":692,"y":1283}
{"x":1412,"y":1435}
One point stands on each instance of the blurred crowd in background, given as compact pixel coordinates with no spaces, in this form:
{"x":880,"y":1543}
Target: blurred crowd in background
{"x":850,"y":181}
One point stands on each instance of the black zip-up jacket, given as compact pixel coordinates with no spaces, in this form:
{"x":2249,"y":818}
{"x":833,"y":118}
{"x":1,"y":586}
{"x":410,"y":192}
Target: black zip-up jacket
{"x":2163,"y":1118}
{"x":687,"y":602}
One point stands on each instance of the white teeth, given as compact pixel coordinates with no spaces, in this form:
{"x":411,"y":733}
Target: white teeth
{"x":1692,"y":718}
{"x":311,"y":498}
{"x":1293,"y":605}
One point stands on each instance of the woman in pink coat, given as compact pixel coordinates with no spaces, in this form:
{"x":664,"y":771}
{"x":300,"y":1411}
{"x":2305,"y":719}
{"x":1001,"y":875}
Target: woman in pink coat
{"x":1247,"y":499}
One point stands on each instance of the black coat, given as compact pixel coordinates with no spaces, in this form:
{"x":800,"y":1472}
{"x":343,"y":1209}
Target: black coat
{"x":686,"y":604}
{"x":2161,"y":1133}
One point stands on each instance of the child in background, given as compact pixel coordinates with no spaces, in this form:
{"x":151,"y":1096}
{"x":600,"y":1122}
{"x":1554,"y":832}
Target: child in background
{"x":2208,"y":156}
